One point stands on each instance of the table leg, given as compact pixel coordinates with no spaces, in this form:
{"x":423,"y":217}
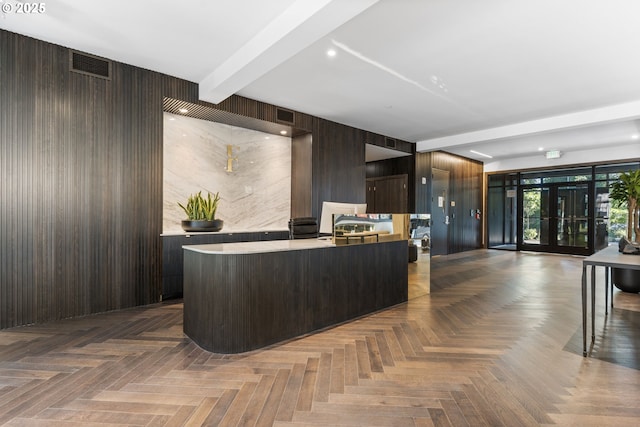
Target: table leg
{"x":593,"y":304}
{"x":584,"y":310}
{"x":611,"y":282}
{"x":606,"y":290}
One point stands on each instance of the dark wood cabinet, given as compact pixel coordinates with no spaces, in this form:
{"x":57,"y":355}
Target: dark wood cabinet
{"x":387,"y":194}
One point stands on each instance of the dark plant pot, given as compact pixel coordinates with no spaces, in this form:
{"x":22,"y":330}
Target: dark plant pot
{"x":202,"y":225}
{"x":625,"y":279}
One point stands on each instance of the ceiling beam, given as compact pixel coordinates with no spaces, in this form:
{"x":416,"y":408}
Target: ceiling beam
{"x":299,"y":26}
{"x":610,"y":114}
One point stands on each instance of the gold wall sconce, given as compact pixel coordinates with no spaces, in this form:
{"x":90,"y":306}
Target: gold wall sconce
{"x":230,"y":158}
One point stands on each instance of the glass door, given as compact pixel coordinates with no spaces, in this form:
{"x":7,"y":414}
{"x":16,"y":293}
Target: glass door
{"x":555,"y":218}
{"x":534,"y":218}
{"x":572,"y":216}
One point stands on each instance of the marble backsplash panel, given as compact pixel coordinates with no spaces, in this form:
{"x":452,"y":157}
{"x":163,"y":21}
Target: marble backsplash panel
{"x":255,"y":194}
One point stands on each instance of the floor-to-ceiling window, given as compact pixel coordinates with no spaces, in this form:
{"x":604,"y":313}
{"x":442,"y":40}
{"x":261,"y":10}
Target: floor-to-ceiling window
{"x":611,"y":221}
{"x":502,"y":205}
{"x":561,"y":210}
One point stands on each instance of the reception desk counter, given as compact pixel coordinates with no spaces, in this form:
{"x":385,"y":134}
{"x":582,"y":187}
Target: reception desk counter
{"x":244,"y":296}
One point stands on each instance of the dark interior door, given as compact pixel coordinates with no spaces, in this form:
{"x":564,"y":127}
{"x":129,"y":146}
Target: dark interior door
{"x":440,"y":212}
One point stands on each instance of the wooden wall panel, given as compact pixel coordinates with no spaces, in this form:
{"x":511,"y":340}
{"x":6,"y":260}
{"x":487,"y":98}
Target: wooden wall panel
{"x":423,"y":190}
{"x":260,"y":110}
{"x":81,"y":188}
{"x":467,"y":191}
{"x":338,"y":164}
{"x":301,"y":175}
{"x":382,"y":141}
{"x":81,"y":184}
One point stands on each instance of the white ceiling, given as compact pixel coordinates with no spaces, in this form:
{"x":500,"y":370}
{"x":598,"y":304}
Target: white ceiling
{"x":502,"y":77}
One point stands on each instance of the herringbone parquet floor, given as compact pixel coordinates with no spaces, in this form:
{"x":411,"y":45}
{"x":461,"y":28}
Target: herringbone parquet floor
{"x":497,"y":342}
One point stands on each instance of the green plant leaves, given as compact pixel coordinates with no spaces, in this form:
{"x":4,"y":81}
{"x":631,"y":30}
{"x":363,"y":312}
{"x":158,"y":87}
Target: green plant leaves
{"x":626,"y":193}
{"x":200,"y":208}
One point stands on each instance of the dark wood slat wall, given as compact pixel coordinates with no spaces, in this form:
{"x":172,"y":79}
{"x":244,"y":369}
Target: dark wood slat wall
{"x":301,"y":170}
{"x":260,"y":110}
{"x":81,"y":188}
{"x":422,"y":191}
{"x":338,"y":169}
{"x":467,"y":191}
{"x":381,"y":141}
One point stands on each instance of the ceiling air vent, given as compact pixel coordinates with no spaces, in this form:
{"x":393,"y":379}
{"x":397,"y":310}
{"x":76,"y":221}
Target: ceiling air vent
{"x":90,"y":65}
{"x":390,"y":142}
{"x":284,"y":116}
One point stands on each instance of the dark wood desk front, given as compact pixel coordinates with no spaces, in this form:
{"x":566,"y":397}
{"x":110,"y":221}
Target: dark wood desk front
{"x":243,"y":296}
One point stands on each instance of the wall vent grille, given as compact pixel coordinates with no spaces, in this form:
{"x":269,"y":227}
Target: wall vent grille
{"x":90,"y":65}
{"x":390,"y":142}
{"x":284,"y":116}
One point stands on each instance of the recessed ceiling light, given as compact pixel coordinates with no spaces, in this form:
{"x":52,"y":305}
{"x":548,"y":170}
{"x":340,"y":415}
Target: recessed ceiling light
{"x":331,"y":53}
{"x":634,"y":136}
{"x":540,"y":148}
{"x":481,"y":154}
{"x":283,"y":132}
{"x":172,"y":118}
{"x":183,"y":110}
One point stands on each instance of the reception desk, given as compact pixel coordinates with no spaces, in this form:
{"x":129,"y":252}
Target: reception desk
{"x":244,"y":296}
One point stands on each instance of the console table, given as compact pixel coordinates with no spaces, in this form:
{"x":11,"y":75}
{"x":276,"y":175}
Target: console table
{"x":608,"y":258}
{"x":243,"y":296}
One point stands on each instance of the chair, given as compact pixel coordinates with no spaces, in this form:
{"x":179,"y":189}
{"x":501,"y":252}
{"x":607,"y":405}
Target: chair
{"x":303,"y":228}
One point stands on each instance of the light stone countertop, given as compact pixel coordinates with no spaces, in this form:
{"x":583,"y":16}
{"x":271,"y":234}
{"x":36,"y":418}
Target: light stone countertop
{"x":238,"y":248}
{"x":229,"y":232}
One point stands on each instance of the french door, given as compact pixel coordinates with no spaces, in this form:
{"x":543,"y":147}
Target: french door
{"x":555,"y":218}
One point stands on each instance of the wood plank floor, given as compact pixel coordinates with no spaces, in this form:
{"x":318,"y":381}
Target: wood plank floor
{"x":497,"y":342}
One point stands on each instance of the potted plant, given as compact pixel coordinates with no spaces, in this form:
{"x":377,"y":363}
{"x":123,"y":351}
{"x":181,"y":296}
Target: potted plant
{"x":626,"y":192}
{"x":201,"y":213}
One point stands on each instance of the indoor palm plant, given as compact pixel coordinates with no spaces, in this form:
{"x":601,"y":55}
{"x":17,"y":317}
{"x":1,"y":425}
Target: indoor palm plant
{"x":201,"y":212}
{"x":626,"y":192}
